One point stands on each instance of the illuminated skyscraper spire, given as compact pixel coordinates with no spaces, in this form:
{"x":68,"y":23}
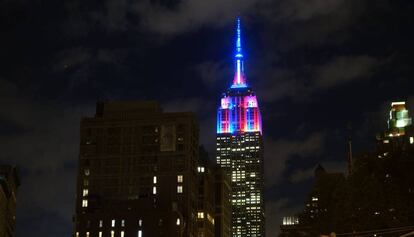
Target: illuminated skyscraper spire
{"x":240,"y":150}
{"x":239,"y":77}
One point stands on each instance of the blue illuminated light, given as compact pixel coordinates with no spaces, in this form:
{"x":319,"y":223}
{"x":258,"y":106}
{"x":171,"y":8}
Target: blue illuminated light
{"x":239,"y":80}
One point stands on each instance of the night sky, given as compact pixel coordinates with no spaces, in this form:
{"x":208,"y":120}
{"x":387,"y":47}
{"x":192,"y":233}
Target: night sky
{"x":317,"y":66}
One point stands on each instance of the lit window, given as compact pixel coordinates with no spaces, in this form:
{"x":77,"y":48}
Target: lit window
{"x":210,"y":218}
{"x":84,"y":203}
{"x":179,"y":178}
{"x":179,"y":189}
{"x":85,"y":192}
{"x":154,"y":190}
{"x":200,"y":169}
{"x":112,"y":233}
{"x":122,"y":234}
{"x":315,"y":199}
{"x":200,"y":215}
{"x":123,"y":223}
{"x":100,"y":223}
{"x":140,"y":222}
{"x":139,"y":233}
{"x":87,"y":234}
{"x":87,"y":172}
{"x":411,"y":140}
{"x":154,"y":180}
{"x":178,"y":221}
{"x":77,"y":234}
{"x":113,"y":223}
{"x":100,"y":234}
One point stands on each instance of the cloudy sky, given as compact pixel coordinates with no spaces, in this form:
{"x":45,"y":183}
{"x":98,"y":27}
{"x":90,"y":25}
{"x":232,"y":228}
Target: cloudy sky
{"x":317,"y":67}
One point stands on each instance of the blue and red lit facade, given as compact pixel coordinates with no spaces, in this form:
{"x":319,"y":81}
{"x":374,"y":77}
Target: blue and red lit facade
{"x":239,"y":110}
{"x":240,"y":150}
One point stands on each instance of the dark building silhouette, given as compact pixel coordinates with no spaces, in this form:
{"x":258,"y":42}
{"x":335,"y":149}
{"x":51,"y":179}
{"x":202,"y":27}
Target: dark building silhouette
{"x":222,"y":203}
{"x":205,"y":202}
{"x":320,"y":206}
{"x":142,"y":174}
{"x":137,"y":172}
{"x":214,"y":209}
{"x":376,"y":199}
{"x":9,"y":182}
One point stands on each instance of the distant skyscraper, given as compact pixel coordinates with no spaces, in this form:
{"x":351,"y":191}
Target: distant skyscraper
{"x":398,"y":120}
{"x":400,"y":130}
{"x":9,"y":183}
{"x":240,"y":150}
{"x":138,"y":173}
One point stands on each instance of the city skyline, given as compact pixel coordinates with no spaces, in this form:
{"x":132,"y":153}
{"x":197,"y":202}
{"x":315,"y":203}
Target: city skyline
{"x":317,"y":68}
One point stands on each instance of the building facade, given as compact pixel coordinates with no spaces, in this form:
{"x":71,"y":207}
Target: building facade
{"x":206,"y":201}
{"x":222,"y":194}
{"x":137,"y":172}
{"x":240,"y":150}
{"x":9,"y":182}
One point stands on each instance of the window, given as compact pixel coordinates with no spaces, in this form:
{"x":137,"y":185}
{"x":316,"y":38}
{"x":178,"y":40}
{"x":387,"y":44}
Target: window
{"x":87,"y":172}
{"x":154,"y":190}
{"x":123,"y":223}
{"x":178,"y":221}
{"x":154,"y":179}
{"x":84,"y":203}
{"x":113,"y":223}
{"x":85,"y":182}
{"x":210,"y":218}
{"x":87,"y":234}
{"x":179,"y":189}
{"x":112,"y":233}
{"x":100,"y":234}
{"x":100,"y":223}
{"x":85,"y":192}
{"x":200,"y":169}
{"x":139,"y":233}
{"x":200,"y":215}
{"x":77,"y":234}
{"x":180,"y":178}
{"x":122,"y":234}
{"x":140,"y":222}
{"x":411,"y":140}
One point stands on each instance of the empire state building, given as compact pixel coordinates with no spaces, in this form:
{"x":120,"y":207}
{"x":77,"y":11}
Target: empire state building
{"x":240,"y":150}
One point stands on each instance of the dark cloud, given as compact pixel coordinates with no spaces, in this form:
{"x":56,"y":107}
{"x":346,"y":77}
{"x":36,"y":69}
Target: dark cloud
{"x":345,"y":69}
{"x":212,"y":73}
{"x":278,"y":152}
{"x":300,"y":83}
{"x":301,"y":175}
{"x":331,"y":166}
{"x":190,"y":14}
{"x":45,"y":150}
